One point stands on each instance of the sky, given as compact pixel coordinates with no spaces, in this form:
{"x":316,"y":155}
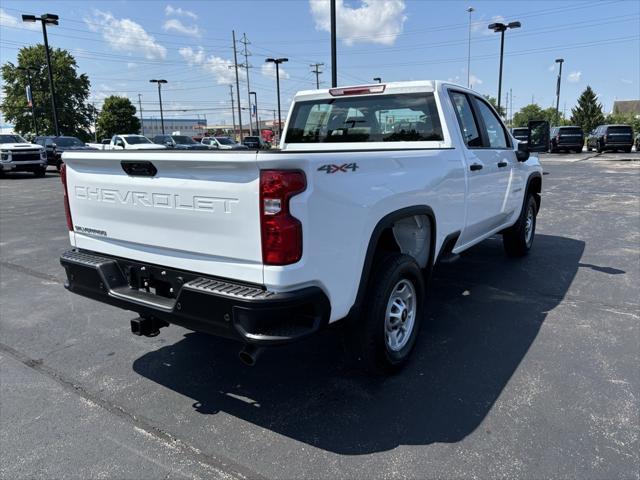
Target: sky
{"x":122,"y":44}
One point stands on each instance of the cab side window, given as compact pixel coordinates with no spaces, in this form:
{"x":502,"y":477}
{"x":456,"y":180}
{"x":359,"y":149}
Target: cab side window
{"x":466,"y":120}
{"x":492,"y":125}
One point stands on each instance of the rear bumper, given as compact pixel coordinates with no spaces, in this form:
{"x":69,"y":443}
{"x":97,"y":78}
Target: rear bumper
{"x":219,"y":307}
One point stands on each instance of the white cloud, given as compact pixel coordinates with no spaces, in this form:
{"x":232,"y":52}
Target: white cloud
{"x":125,"y":35}
{"x":475,"y":80}
{"x":222,"y":69}
{"x":7,"y":20}
{"x":177,"y":26}
{"x":269,"y":70}
{"x":627,"y":81}
{"x":373,"y":21}
{"x":552,"y":67}
{"x":169,"y":10}
{"x":574,"y":77}
{"x":132,"y":65}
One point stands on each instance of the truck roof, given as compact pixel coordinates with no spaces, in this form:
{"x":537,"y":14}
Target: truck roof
{"x":389,"y":88}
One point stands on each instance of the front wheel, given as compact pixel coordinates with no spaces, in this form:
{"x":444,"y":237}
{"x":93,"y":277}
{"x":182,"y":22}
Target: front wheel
{"x":599,"y":147}
{"x":384,"y":336}
{"x":518,"y":239}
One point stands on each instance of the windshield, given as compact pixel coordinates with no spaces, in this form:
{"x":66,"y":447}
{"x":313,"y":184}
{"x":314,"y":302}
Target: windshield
{"x":380,"y":118}
{"x":12,"y":139}
{"x":68,"y":142}
{"x":136,"y":139}
{"x":621,"y":129}
{"x":574,"y":131}
{"x":225,"y":141}
{"x":183,"y":139}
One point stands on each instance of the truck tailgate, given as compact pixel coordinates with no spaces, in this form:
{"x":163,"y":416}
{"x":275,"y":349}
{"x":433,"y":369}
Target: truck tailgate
{"x":199,"y":212}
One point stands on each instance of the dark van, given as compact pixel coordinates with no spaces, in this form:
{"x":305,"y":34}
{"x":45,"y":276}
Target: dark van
{"x":611,"y":137}
{"x":566,"y":139}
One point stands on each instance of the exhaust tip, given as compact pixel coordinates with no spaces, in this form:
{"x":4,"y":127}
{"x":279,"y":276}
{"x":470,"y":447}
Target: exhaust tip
{"x":249,"y":355}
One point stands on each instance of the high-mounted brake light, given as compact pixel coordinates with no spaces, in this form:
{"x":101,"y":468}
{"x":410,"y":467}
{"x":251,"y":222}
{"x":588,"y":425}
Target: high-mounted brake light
{"x":67,"y":210}
{"x":281,"y":232}
{"x":340,"y":92}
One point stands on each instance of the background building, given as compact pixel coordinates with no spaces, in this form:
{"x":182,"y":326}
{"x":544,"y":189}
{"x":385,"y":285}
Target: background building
{"x":186,"y":126}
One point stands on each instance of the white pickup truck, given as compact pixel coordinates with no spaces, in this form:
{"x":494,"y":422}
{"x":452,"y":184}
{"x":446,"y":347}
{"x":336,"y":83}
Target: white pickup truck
{"x":371,"y":187}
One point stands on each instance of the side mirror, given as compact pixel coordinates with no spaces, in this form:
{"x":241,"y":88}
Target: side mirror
{"x":538,"y":137}
{"x":522,"y":153}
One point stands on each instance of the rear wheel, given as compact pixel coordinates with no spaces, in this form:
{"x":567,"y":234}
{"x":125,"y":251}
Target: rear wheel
{"x":383,"y":338}
{"x":627,"y":150}
{"x":599,"y":147}
{"x":518,"y":239}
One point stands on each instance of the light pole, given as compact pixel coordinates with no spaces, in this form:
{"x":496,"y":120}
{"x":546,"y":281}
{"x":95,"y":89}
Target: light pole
{"x":278,"y":61}
{"x":255,"y":102}
{"x":501,"y":27}
{"x":160,"y":82}
{"x":30,"y":98}
{"x":560,"y":61}
{"x":47,"y":19}
{"x":377,"y":79}
{"x":334,"y":60}
{"x":470,"y":10}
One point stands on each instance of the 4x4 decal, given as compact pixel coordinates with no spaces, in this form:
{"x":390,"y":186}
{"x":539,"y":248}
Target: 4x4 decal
{"x":330,"y":168}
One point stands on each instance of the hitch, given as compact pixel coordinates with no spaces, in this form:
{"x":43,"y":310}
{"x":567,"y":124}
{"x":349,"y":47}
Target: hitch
{"x":147,"y":326}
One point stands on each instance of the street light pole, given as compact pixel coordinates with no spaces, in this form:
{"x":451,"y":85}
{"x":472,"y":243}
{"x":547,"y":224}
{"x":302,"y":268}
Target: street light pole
{"x":51,"y":19}
{"x":160,"y":82}
{"x":470,"y":10}
{"x":141,"y":119}
{"x":377,"y":79}
{"x":334,"y":60}
{"x":255,"y":102}
{"x":277,"y":62}
{"x":501,"y":27}
{"x":30,"y":98}
{"x":560,"y":61}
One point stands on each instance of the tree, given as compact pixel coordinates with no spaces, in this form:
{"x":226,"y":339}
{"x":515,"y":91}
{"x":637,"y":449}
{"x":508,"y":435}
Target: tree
{"x":118,"y":115}
{"x":526,"y":114}
{"x":72,"y":92}
{"x":494,"y":103}
{"x":588,"y":112}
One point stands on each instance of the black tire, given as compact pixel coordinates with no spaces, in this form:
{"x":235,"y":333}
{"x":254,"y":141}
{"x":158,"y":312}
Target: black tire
{"x":599,"y":147}
{"x":627,"y":150}
{"x":589,"y":148}
{"x":367,"y":335}
{"x":58,"y":165}
{"x":518,"y":239}
{"x":40,"y":172}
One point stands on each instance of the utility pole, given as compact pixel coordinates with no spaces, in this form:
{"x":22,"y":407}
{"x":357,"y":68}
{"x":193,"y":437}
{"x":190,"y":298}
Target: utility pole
{"x":30,"y":99}
{"x":470,"y":10}
{"x":316,"y":69}
{"x":246,"y":54}
{"x":334,"y":61}
{"x":95,"y":116}
{"x":233,"y":112}
{"x":255,"y":100}
{"x":141,"y":119}
{"x":160,"y":82}
{"x":235,"y":64}
{"x":560,"y":61}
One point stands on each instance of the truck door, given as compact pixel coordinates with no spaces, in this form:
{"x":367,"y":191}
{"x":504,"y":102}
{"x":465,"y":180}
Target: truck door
{"x":485,"y":184}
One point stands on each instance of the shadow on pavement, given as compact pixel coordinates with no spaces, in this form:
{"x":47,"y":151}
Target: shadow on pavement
{"x":484,"y":313}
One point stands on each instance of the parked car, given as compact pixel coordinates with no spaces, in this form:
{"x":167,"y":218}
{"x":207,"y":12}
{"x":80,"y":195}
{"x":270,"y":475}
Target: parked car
{"x":345,"y":223}
{"x":18,"y":155}
{"x":255,"y":143}
{"x":610,"y":137}
{"x":56,"y":146}
{"x":133,"y":142}
{"x":520,"y":133}
{"x":223,"y":143}
{"x":566,"y":139}
{"x":179,"y":142}
{"x":105,"y":144}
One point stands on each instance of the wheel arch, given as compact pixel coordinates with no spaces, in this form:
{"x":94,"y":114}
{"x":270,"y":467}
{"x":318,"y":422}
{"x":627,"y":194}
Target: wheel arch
{"x":381,"y":235}
{"x":534,"y":185}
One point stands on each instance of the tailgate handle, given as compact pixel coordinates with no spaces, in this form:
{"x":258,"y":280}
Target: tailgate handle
{"x":139,"y":168}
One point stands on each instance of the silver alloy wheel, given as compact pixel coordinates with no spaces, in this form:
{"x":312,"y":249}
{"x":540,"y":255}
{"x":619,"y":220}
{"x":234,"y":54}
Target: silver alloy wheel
{"x":400,"y":316}
{"x":528,"y":226}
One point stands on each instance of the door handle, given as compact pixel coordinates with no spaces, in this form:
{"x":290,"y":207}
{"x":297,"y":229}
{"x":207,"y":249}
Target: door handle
{"x":502,"y":164}
{"x":475,"y":166}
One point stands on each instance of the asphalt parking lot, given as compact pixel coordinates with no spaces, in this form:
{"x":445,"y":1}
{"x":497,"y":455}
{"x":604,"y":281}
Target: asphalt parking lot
{"x":526,"y":368}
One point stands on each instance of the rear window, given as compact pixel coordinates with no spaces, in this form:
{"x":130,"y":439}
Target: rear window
{"x":570,"y":131}
{"x":380,"y":118}
{"x":621,"y":129}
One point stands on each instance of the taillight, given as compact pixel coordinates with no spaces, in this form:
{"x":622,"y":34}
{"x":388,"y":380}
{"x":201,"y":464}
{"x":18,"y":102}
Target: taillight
{"x":67,"y":210}
{"x":339,"y":92}
{"x":281,"y":232}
